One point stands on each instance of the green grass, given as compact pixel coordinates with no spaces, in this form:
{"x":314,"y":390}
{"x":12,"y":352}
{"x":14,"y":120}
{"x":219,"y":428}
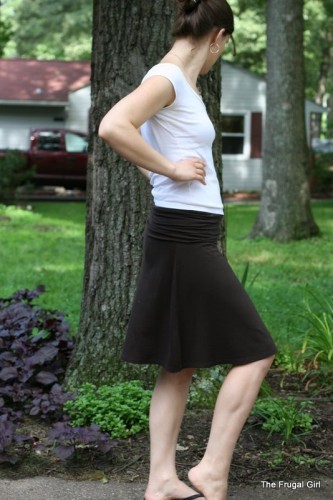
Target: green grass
{"x":46,"y":245}
{"x":284,"y":270}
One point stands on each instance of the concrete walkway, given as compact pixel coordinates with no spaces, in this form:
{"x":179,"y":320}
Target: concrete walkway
{"x":47,"y":488}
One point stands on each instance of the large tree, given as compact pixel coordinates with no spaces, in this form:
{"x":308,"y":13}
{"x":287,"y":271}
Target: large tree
{"x":128,"y":38}
{"x":285,"y":212}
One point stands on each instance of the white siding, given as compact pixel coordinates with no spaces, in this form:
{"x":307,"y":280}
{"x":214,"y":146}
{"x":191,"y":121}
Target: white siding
{"x":242,"y":93}
{"x":242,"y":175}
{"x":245,"y":93}
{"x":78,"y":110}
{"x":242,"y":90}
{"x":16,"y":122}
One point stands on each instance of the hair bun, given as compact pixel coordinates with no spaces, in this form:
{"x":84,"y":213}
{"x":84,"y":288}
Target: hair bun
{"x":188,"y":6}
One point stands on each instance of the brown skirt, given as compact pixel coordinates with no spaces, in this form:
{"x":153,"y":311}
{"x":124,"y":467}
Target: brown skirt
{"x":190,"y":310}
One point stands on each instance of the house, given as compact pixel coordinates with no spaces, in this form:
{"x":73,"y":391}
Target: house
{"x":243,"y":108}
{"x":36,"y":94}
{"x":57,"y":94}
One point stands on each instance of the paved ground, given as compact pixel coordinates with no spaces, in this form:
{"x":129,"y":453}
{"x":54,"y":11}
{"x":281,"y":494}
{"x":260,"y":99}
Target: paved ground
{"x":45,"y":488}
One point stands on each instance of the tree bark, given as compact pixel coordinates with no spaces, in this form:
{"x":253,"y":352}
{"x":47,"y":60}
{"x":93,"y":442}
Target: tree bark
{"x":128,"y":38}
{"x":285,"y":212}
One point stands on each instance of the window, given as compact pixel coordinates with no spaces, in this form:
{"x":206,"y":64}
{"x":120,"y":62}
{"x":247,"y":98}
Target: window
{"x":233,"y":133}
{"x":76,"y":143}
{"x":49,"y":141}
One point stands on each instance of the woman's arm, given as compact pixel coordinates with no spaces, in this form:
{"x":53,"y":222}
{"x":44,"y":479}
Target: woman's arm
{"x":120,"y":129}
{"x":144,"y":172}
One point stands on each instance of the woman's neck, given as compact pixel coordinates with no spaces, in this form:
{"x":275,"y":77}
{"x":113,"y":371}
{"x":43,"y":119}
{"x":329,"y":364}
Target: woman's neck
{"x":189,"y":56}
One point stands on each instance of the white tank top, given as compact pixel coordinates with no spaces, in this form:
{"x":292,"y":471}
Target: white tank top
{"x":181,"y":130}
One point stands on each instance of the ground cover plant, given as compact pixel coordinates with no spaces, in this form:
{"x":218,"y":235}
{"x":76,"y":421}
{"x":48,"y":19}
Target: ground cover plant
{"x":35,"y":347}
{"x":121,"y":410}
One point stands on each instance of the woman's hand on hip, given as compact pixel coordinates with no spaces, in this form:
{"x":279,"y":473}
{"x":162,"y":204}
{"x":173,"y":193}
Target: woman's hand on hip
{"x":189,"y":169}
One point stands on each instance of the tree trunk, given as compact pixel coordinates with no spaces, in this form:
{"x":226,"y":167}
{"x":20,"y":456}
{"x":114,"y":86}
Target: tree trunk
{"x":128,"y":38}
{"x":211,"y":91}
{"x":285,"y":212}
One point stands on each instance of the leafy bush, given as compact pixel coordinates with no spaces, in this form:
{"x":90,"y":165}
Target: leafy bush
{"x":34,"y":350}
{"x":206,"y":386}
{"x":35,"y":347}
{"x":13,"y":173}
{"x":121,"y":410}
{"x":322,"y":181}
{"x":317,"y":350}
{"x":9,"y":438}
{"x":284,"y":416}
{"x":318,"y":342}
{"x":67,"y":439}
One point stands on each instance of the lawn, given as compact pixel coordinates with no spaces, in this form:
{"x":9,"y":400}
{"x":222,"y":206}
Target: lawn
{"x":45,"y":245}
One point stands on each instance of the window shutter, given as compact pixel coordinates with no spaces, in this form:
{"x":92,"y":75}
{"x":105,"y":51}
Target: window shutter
{"x":256,"y":135}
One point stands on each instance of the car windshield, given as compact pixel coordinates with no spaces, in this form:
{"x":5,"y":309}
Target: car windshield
{"x":76,"y":143}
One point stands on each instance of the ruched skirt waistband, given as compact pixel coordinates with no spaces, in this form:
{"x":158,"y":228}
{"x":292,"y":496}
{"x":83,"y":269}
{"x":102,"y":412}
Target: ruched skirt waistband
{"x":183,"y":226}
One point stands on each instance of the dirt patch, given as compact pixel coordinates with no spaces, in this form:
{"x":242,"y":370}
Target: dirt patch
{"x":257,"y":457}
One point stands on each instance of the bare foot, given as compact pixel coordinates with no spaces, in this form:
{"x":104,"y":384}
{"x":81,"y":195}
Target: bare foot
{"x":210,"y":484}
{"x":168,"y":490}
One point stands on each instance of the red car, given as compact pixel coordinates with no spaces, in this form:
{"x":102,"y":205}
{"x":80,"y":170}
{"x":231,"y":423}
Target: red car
{"x":59,"y":156}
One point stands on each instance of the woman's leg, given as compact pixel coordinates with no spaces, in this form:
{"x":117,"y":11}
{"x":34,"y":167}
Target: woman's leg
{"x":234,"y":403}
{"x":166,"y":414}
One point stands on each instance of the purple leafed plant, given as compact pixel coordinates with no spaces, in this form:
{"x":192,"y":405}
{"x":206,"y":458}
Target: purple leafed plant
{"x":66,"y":439}
{"x":35,"y":347}
{"x":9,"y":439}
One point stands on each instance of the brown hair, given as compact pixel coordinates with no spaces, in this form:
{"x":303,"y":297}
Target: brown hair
{"x":196,"y":18}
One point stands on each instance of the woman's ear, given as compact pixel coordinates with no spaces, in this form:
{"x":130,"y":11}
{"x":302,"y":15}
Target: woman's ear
{"x":218,"y":36}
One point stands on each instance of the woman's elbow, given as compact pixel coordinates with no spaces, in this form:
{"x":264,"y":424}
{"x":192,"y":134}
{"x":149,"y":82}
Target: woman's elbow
{"x":112,"y":131}
{"x":105,"y":130}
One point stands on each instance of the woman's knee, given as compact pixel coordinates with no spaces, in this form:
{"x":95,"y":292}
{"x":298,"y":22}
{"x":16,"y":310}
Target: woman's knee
{"x":184,"y":375}
{"x":266,"y":363}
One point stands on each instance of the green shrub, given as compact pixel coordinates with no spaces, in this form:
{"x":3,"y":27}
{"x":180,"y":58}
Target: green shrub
{"x":318,"y":341}
{"x":316,"y":354}
{"x":13,"y":173}
{"x":284,"y":416}
{"x":121,"y":410}
{"x":322,"y":180}
{"x":206,"y":386}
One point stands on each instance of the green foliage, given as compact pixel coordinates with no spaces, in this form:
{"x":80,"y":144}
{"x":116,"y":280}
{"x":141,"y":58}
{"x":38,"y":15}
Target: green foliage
{"x":13,"y":173}
{"x":121,"y":410}
{"x":250,"y":35}
{"x":316,"y":354}
{"x":245,"y":277}
{"x":284,"y":416}
{"x":318,"y":342}
{"x":6,"y":33}
{"x":274,"y":459}
{"x":50,"y":30}
{"x":322,"y":175}
{"x":287,"y":361}
{"x":318,"y":33}
{"x":205,"y":387}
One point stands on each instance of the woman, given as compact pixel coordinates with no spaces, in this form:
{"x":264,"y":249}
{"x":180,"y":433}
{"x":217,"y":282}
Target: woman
{"x":190,"y":310}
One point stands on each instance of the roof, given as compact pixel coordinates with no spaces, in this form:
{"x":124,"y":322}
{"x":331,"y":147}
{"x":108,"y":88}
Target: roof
{"x":240,"y":69}
{"x":37,"y":80}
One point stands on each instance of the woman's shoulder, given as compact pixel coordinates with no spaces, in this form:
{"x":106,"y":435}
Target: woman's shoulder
{"x":168,"y":70}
